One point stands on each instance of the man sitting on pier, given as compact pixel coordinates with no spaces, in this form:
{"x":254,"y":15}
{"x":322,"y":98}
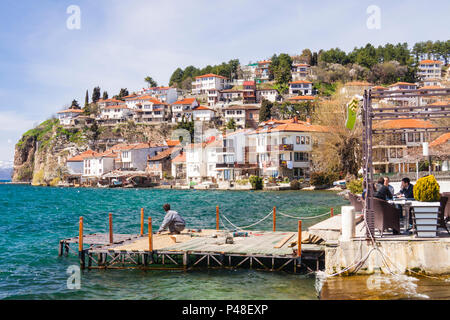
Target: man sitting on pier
{"x":172,"y":220}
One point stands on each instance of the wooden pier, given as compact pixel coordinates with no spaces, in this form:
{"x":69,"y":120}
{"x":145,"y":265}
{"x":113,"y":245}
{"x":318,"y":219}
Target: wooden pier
{"x":196,"y":249}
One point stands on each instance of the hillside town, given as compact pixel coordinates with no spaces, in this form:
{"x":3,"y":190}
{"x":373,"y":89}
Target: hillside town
{"x":232,"y":142}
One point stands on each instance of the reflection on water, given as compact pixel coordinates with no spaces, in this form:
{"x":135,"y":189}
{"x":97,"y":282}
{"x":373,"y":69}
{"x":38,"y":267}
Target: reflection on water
{"x":382,"y":287}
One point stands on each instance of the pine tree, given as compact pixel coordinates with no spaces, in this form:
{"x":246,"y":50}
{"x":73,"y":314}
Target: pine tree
{"x":264,"y":111}
{"x":96,"y":94}
{"x":75,"y":105}
{"x":86,"y":99}
{"x":105,"y":95}
{"x":151,"y":82}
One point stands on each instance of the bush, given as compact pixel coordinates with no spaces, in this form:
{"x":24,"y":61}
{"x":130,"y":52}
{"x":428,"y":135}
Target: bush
{"x":323,"y":178}
{"x":426,"y":189}
{"x":355,"y":186}
{"x":55,"y":182}
{"x":286,"y":180}
{"x":242,"y":182}
{"x":256,"y":182}
{"x":295,"y":185}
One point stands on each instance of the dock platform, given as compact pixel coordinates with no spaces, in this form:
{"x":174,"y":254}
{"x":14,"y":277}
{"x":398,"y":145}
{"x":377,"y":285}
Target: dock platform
{"x":193,"y":248}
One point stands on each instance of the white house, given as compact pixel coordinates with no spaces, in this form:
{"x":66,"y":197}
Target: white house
{"x":283,"y":147}
{"x":267,"y":94}
{"x":183,"y":107}
{"x":262,"y":71}
{"x":150,"y":110}
{"x":97,"y":164}
{"x":209,"y":81}
{"x":300,"y":71}
{"x":135,"y":155}
{"x":196,"y":162}
{"x":165,"y":94}
{"x":430,"y":69}
{"x":66,"y":116}
{"x":302,"y":87}
{"x":75,"y":164}
{"x":202,"y":113}
{"x":397,"y":98}
{"x":102,"y":103}
{"x":115,"y":113}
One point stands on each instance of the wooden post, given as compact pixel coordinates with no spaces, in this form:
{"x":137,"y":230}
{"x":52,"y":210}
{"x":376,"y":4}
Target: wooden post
{"x":80,"y":237}
{"x":150,"y":234}
{"x":80,"y":244}
{"x":142,"y":222}
{"x":331,"y":212}
{"x":111,"y":235}
{"x":299,"y":240}
{"x":274,"y":219}
{"x":217,"y":217}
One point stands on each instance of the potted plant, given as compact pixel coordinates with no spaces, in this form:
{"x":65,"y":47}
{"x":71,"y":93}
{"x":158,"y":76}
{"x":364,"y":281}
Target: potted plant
{"x":426,"y":208}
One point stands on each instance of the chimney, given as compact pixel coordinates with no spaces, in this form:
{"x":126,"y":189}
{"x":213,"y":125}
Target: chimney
{"x":308,"y":120}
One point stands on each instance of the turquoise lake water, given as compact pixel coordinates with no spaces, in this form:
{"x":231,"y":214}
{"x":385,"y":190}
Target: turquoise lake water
{"x":34,"y":219}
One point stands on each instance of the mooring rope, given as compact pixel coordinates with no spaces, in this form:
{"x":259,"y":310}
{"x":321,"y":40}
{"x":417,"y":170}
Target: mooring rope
{"x":304,"y":218}
{"x":251,"y":225}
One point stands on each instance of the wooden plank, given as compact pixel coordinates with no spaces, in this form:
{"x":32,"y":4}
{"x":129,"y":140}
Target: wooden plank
{"x":284,"y":240}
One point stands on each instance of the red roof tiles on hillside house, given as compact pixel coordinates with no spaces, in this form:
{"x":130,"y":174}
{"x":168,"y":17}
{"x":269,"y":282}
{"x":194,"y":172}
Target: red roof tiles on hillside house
{"x":185,"y":101}
{"x":403,"y":124}
{"x":299,"y":81}
{"x":164,"y":154}
{"x":402,"y":84}
{"x":71,"y":110}
{"x":202,"y":108}
{"x":430,"y":62}
{"x":180,"y":158}
{"x":172,"y":143}
{"x":440,"y":140}
{"x":80,"y":157}
{"x":296,"y":98}
{"x":210,"y":75}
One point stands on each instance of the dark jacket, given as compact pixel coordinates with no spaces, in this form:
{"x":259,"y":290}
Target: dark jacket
{"x":382,"y":192}
{"x":408,"y":192}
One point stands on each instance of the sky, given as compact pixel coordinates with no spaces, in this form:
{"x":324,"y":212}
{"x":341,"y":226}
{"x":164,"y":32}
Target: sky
{"x":44,"y":65}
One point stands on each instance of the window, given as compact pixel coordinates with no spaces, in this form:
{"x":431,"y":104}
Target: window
{"x":297,"y":140}
{"x":417,"y":137}
{"x":284,"y":140}
{"x":302,"y":139}
{"x":392,"y":153}
{"x":308,"y":141}
{"x":410,"y":137}
{"x":301,"y":156}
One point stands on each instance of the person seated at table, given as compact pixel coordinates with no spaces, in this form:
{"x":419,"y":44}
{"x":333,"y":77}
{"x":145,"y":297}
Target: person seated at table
{"x":382,"y":192}
{"x":386,"y":183}
{"x":406,"y":189}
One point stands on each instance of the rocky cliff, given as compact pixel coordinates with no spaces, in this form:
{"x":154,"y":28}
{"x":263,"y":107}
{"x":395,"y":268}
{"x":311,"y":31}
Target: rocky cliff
{"x":41,"y":154}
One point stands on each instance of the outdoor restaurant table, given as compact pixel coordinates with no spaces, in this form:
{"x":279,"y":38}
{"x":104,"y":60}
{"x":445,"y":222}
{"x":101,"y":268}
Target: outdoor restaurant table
{"x":405,"y":204}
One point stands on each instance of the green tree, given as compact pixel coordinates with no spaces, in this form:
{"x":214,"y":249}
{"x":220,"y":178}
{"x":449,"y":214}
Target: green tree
{"x":75,"y":105}
{"x":86,"y":99}
{"x":96,"y":94}
{"x":231,"y":125}
{"x":264,"y":111}
{"x":105,"y":95}
{"x":177,"y":78}
{"x":122,"y":93}
{"x":280,"y":70}
{"x":150,"y":81}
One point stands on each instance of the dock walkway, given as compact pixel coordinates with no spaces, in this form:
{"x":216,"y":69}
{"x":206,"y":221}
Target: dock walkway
{"x":266,"y":250}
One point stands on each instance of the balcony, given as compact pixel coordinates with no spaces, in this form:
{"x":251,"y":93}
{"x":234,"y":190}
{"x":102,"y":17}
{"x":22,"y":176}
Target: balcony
{"x":225,"y":150}
{"x":280,"y":147}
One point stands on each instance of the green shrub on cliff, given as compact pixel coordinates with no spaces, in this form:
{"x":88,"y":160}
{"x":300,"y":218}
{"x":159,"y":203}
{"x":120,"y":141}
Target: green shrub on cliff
{"x":427,"y":189}
{"x":40,"y":133}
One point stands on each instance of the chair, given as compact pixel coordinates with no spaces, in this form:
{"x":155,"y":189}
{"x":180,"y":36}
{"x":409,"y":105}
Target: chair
{"x":445,"y":205}
{"x":356,"y":202}
{"x":386,"y":216}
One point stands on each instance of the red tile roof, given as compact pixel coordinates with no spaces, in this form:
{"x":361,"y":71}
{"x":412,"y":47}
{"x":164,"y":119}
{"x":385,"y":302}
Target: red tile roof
{"x":80,"y":157}
{"x":296,"y":98}
{"x":180,"y":158}
{"x":71,"y":110}
{"x":185,"y":101}
{"x":249,"y":83}
{"x":172,"y":143}
{"x":403,"y":124}
{"x":202,"y":108}
{"x":430,"y":62}
{"x":148,"y":98}
{"x":300,"y":81}
{"x":210,"y":75}
{"x":164,"y":154}
{"x":440,"y":140}
{"x":402,"y":84}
